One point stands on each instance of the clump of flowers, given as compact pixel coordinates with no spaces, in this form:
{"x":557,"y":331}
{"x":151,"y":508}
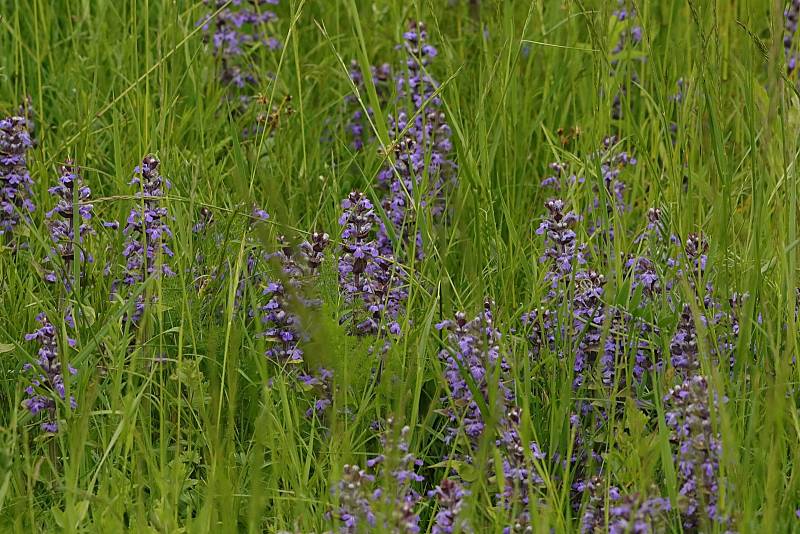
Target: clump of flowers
{"x":626,"y":513}
{"x":630,"y":37}
{"x":473,"y":351}
{"x":449,"y":496}
{"x":698,"y":449}
{"x":15,"y":180}
{"x":235,"y":30}
{"x":474,"y":364}
{"x":359,"y":124}
{"x":422,"y":153}
{"x":609,"y":199}
{"x":147,"y":234}
{"x":791,"y":16}
{"x":390,"y":507}
{"x":283,"y":327}
{"x":238,"y":27}
{"x":73,"y":198}
{"x":372,"y":283}
{"x":46,"y":378}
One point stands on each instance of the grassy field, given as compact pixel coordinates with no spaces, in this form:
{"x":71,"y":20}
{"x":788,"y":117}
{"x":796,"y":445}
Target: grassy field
{"x":625,"y":360}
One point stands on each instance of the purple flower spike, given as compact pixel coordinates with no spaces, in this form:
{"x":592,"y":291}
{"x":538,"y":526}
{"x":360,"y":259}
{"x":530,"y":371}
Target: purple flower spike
{"x":285,"y":297}
{"x":372,"y":284}
{"x":449,"y":495}
{"x":473,"y":353}
{"x":73,"y":199}
{"x":389,"y":507}
{"x":148,"y":233}
{"x":46,"y":379}
{"x":626,"y":513}
{"x":791,"y":16}
{"x":15,"y":180}
{"x":697,"y":450}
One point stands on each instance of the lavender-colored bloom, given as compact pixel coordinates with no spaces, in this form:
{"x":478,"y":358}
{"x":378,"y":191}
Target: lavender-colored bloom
{"x":238,"y":26}
{"x":626,"y":513}
{"x":791,"y":16}
{"x":561,"y":247}
{"x":148,"y":232}
{"x":697,"y":450}
{"x":473,"y":355}
{"x":629,"y":38}
{"x":321,"y":383}
{"x":46,"y":377}
{"x":355,"y":511}
{"x":73,"y":197}
{"x":284,"y":296}
{"x":449,"y":495}
{"x":520,"y":477}
{"x":390,"y":506}
{"x":372,"y":283}
{"x":359,"y":124}
{"x":15,"y":180}
{"x":608,"y":199}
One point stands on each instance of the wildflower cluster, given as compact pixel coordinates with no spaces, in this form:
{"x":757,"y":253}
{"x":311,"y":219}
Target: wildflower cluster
{"x":234,"y":28}
{"x":372,"y":283}
{"x":46,"y":378}
{"x":287,"y":294}
{"x":235,"y":31}
{"x":73,"y":198}
{"x":147,"y":230}
{"x":390,"y":506}
{"x":698,"y":450}
{"x":791,"y":16}
{"x":15,"y":180}
{"x":626,"y":513}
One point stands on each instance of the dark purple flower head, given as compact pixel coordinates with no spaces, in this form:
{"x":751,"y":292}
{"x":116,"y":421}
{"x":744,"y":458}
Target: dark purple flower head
{"x":147,"y":232}
{"x":472,"y":358}
{"x":420,"y":169}
{"x":288,"y":294}
{"x":73,"y":199}
{"x":449,"y":495}
{"x":15,"y":180}
{"x":372,"y":283}
{"x":355,"y":512}
{"x":697,"y":449}
{"x":359,"y":127}
{"x":46,"y":379}
{"x":791,"y":16}
{"x":561,"y":248}
{"x":626,"y":513}
{"x":386,"y":500}
{"x":233,"y":30}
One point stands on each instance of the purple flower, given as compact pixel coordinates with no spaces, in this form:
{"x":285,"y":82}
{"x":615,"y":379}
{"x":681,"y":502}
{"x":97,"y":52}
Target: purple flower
{"x":15,"y":180}
{"x":473,"y":363}
{"x":359,"y":127}
{"x":46,"y":380}
{"x":147,"y":232}
{"x":697,"y":450}
{"x":372,"y":283}
{"x":390,"y":506}
{"x":236,"y":31}
{"x":73,"y":198}
{"x":626,"y":513}
{"x":449,"y":495}
{"x":791,"y":16}
{"x":355,"y":511}
{"x":561,"y":248}
{"x":285,"y":296}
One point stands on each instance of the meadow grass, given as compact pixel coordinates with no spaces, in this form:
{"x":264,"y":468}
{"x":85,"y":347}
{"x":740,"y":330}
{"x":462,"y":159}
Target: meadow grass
{"x":215,"y":437}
